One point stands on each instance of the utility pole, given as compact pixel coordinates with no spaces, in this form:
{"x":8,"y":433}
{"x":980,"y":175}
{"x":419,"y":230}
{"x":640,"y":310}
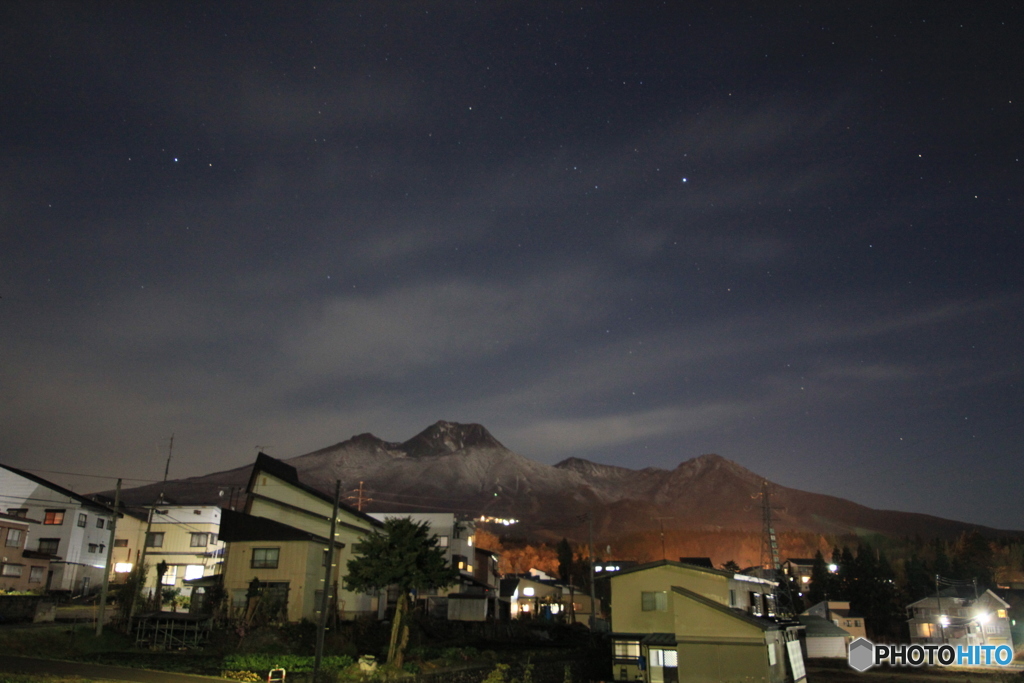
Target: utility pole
{"x":325,"y":598}
{"x":661,"y":521}
{"x":938,"y":599}
{"x":360,"y":498}
{"x":149,"y":527}
{"x":110,"y":562}
{"x":593,"y":588}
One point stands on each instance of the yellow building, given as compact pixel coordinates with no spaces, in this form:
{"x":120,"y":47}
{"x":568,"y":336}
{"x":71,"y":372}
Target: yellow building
{"x":281,"y":542}
{"x":675,"y":622}
{"x":186,"y":537}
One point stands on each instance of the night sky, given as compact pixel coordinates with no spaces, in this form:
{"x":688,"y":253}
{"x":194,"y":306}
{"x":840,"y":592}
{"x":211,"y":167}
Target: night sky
{"x":632,"y":232}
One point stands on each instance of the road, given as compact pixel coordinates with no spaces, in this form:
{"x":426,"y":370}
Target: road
{"x":30,"y":665}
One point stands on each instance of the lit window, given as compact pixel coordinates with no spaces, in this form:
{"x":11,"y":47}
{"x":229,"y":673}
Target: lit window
{"x":54,"y":517}
{"x":171,"y":575}
{"x":1001,"y":613}
{"x":122,"y":567}
{"x":265,"y":558}
{"x":442,"y":541}
{"x":626,"y":648}
{"x":194,"y":571}
{"x":528,"y":591}
{"x":469,"y":568}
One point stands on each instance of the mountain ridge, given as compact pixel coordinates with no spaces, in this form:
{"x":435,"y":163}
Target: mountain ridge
{"x":463,"y":468}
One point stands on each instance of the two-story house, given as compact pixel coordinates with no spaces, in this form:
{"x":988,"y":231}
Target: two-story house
{"x":676,"y":622}
{"x":20,"y":569}
{"x":283,"y":546}
{"x":957,"y":617}
{"x":187,"y":539}
{"x":74,"y":531}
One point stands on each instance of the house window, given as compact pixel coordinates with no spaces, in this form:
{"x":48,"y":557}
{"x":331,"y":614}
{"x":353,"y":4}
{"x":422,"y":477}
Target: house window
{"x":732,"y":597}
{"x":171,"y":575}
{"x":35,"y":574}
{"x":18,"y":512}
{"x":654,"y":601}
{"x":12,"y":570}
{"x":13,"y":538}
{"x":99,"y":522}
{"x":664,"y":658}
{"x":155,"y":539}
{"x":93,"y":548}
{"x":54,"y":517}
{"x":1001,"y":613}
{"x":265,"y":558}
{"x":626,"y":649}
{"x":194,"y":571}
{"x":49,"y":545}
{"x":213,"y":539}
{"x":442,"y":541}
{"x":82,"y":519}
{"x":772,"y":660}
{"x":120,"y":542}
{"x":199,"y":540}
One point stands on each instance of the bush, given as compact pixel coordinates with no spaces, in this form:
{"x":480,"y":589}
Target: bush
{"x":292,"y":663}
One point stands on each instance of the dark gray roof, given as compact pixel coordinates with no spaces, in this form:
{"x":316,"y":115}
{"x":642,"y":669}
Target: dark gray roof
{"x":670,"y":563}
{"x":816,"y":627}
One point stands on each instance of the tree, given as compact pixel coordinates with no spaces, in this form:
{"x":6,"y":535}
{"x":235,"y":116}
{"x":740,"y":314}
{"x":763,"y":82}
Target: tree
{"x":566,"y":569}
{"x":820,"y":580}
{"x":405,"y":555}
{"x":731,"y":566}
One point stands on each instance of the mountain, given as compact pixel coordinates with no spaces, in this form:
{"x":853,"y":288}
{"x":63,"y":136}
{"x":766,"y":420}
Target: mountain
{"x":462,"y":468}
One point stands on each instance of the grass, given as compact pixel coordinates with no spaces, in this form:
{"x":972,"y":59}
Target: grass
{"x":42,"y":678}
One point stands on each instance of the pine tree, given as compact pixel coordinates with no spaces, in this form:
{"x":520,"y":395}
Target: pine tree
{"x":404,"y":555}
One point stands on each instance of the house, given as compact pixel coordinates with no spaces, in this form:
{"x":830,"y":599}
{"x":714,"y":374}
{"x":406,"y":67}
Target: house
{"x":20,"y":569}
{"x":959,"y":616}
{"x":799,"y":568}
{"x":187,"y":539}
{"x":128,"y":539}
{"x":839,"y":613}
{"x":478,"y":569}
{"x":531,"y":596}
{"x":675,"y":622}
{"x":288,"y":564}
{"x":824,"y":638}
{"x":74,"y":530}
{"x":285,"y":537}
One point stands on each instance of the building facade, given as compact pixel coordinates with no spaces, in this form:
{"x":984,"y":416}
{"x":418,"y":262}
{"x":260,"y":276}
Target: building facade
{"x":74,"y":531}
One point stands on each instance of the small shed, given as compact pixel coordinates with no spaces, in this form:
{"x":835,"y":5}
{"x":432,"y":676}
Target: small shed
{"x":824,"y":639}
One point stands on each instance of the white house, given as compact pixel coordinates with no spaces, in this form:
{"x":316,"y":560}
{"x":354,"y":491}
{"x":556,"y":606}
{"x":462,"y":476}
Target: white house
{"x":74,"y":530}
{"x":958,"y":617}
